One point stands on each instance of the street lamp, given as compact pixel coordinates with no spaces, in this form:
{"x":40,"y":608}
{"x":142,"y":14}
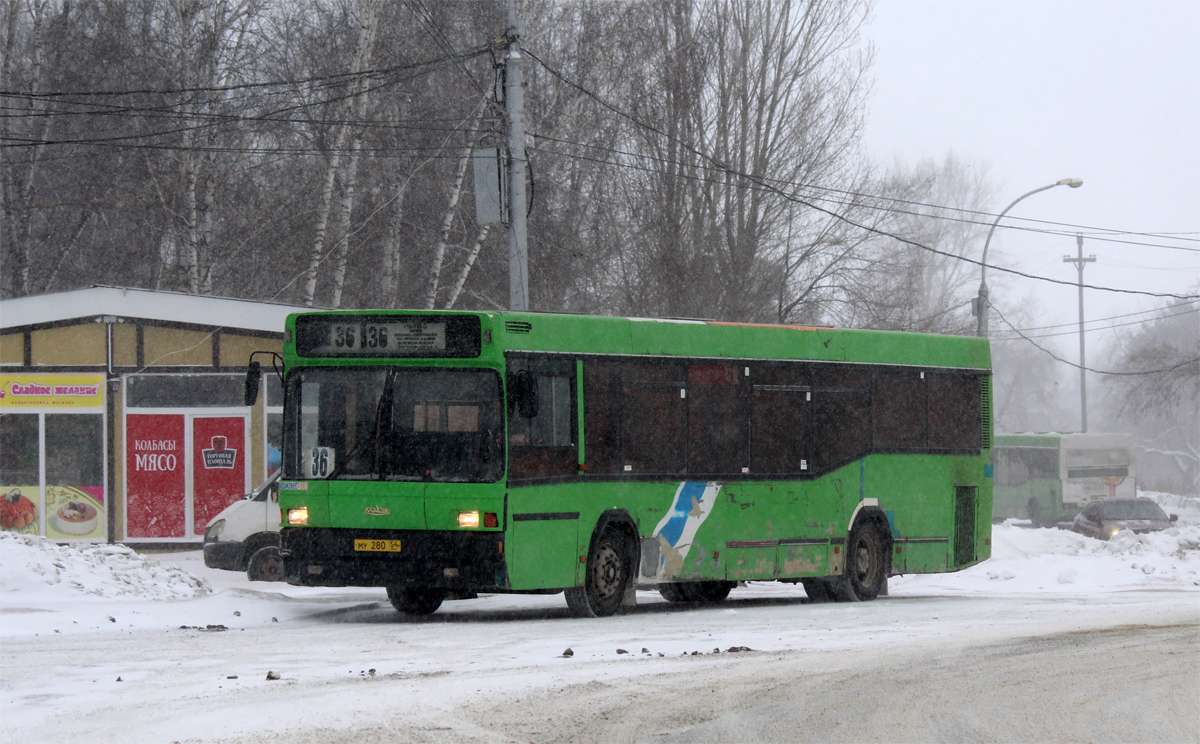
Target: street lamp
{"x":981,"y":303}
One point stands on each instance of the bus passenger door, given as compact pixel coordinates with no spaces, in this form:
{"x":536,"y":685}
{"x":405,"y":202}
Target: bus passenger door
{"x":543,"y":464}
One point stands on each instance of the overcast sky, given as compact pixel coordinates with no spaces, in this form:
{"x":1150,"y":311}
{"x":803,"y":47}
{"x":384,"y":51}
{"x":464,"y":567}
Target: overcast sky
{"x":1036,"y":91}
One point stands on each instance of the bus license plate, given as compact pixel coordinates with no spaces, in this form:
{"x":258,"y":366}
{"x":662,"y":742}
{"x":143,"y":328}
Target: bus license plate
{"x":377,"y":546}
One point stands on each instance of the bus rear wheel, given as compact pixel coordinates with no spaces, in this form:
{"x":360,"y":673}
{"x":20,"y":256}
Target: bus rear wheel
{"x":818,"y":590}
{"x":673,"y":592}
{"x":607,"y":575}
{"x":706,"y":592}
{"x":865,"y":574}
{"x":415,"y":600}
{"x":710,"y":592}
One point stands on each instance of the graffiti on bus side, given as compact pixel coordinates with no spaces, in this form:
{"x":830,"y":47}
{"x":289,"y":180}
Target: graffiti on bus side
{"x":693,"y":502}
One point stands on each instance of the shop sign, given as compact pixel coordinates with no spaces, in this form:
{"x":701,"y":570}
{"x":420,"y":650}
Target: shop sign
{"x":219,"y":455}
{"x":51,"y":391}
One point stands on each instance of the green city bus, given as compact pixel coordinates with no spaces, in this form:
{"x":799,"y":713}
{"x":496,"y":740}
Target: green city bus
{"x":1048,"y":478}
{"x":444,"y":454}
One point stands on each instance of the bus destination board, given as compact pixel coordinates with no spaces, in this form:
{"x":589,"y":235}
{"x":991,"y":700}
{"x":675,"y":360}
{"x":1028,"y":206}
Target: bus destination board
{"x":387,"y":336}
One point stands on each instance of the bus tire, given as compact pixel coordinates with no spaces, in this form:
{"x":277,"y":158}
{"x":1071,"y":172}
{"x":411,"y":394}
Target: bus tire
{"x":673,"y":592}
{"x":266,"y":565}
{"x":866,"y":571}
{"x":609,"y":570}
{"x":708,"y":592}
{"x":817,"y":590}
{"x":415,"y":600}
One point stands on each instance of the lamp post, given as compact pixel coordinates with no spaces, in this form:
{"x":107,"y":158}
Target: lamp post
{"x":981,"y":303}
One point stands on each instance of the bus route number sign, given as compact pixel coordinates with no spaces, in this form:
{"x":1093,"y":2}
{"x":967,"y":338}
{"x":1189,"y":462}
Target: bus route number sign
{"x":400,"y":339}
{"x":387,"y":336}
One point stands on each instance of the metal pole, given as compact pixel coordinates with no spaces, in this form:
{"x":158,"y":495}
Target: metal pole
{"x":514,"y":100}
{"x":981,"y":303}
{"x":1080,"y":262}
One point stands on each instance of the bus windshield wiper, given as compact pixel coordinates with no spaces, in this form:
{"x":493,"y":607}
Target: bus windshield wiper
{"x":381,"y":427}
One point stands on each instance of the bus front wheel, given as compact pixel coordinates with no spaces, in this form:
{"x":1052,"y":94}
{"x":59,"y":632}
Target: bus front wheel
{"x":609,"y":570}
{"x":865,"y":574}
{"x":415,"y":600}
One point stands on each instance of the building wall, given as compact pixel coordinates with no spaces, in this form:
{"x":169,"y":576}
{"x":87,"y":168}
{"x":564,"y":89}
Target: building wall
{"x":143,"y":347}
{"x":74,"y":345}
{"x":124,"y":345}
{"x":170,"y":347}
{"x":12,"y":348}
{"x":116,"y":462}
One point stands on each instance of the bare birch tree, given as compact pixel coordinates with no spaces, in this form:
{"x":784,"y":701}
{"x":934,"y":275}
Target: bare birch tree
{"x":352,"y":111}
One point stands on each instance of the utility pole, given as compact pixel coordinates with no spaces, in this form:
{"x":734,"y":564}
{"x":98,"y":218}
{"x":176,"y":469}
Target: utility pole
{"x":1080,"y":262}
{"x":514,"y":102}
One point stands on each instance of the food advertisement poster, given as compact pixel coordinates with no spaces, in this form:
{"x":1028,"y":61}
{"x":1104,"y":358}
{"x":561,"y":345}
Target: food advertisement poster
{"x":19,"y":508}
{"x":155,"y":476}
{"x":218,"y":466}
{"x":74,"y":512}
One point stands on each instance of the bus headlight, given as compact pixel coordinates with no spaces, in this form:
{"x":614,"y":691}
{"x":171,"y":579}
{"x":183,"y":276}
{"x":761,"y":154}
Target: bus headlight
{"x":468,"y":520}
{"x":299,"y":515}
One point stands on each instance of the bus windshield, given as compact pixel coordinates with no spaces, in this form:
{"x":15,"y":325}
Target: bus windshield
{"x":396,"y":423}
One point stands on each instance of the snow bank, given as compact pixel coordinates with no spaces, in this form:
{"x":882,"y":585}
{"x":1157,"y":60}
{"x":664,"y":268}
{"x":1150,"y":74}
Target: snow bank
{"x":1053,"y":561}
{"x":1187,"y":507}
{"x":33,"y":569}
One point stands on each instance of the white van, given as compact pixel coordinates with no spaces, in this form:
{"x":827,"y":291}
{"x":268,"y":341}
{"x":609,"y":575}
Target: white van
{"x":245,"y":536}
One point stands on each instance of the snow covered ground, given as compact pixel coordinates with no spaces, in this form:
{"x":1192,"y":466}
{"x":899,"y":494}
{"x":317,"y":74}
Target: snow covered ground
{"x":105,"y":644}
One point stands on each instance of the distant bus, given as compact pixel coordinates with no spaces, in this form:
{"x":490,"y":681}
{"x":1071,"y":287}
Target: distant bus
{"x":444,"y":454}
{"x":1048,"y":478}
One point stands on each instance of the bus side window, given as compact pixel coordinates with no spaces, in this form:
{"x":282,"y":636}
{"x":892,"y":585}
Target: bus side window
{"x":718,"y":419}
{"x":955,"y":411}
{"x":653,"y":412}
{"x":781,"y":419}
{"x":543,"y":445}
{"x":841,"y":415}
{"x":900,"y":410}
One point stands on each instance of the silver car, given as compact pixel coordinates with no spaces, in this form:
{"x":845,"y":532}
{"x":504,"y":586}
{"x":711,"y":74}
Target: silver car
{"x":1104,"y":518}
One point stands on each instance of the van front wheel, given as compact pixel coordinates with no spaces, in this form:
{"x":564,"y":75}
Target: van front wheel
{"x":265,"y":565}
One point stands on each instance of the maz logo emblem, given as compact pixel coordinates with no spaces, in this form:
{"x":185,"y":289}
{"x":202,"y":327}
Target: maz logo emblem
{"x":377,"y":511}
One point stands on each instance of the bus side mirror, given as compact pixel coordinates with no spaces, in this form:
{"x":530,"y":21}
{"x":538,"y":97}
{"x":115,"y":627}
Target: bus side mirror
{"x":525,"y":390}
{"x":253,"y":378}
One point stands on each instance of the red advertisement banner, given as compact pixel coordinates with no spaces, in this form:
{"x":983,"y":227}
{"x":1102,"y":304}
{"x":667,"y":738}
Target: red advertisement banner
{"x":156,"y":494}
{"x":218,"y":466}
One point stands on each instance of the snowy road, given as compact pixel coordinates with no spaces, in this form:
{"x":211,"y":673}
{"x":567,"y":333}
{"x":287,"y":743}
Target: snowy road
{"x":1120,"y":667}
{"x":1057,"y":638}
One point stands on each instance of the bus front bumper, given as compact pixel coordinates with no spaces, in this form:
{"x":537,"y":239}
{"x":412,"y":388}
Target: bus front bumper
{"x":467,"y":561}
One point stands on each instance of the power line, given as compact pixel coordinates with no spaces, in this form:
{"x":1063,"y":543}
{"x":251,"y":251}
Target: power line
{"x":1075,"y":324}
{"x":894,"y":210}
{"x":440,"y":39}
{"x":1089,"y":369}
{"x":268,"y":117}
{"x":795,"y":199}
{"x":336,"y":77}
{"x":1112,"y":326}
{"x":879,"y":232}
